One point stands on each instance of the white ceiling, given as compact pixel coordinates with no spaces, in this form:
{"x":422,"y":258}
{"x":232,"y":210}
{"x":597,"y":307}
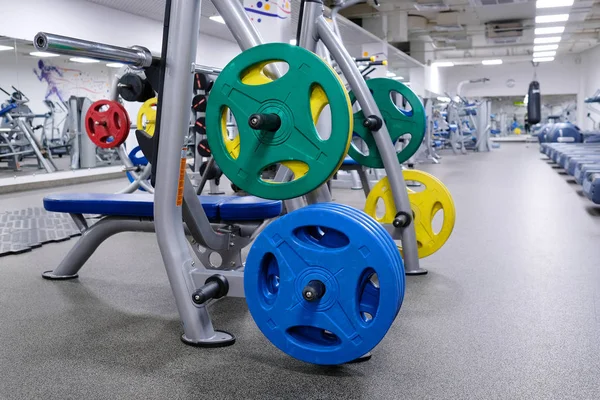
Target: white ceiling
{"x":581,"y":30}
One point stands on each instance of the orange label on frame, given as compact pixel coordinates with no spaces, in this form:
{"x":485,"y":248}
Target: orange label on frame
{"x":181,"y":184}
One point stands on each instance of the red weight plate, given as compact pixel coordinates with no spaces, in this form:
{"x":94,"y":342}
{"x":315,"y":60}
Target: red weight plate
{"x":107,"y":124}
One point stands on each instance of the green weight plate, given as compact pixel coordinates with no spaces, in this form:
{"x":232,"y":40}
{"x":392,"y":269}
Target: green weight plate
{"x":398,"y":122}
{"x":298,"y":97}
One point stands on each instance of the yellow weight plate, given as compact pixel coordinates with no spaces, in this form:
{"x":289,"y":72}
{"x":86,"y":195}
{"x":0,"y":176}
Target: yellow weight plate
{"x":146,"y":118}
{"x":425,"y":205}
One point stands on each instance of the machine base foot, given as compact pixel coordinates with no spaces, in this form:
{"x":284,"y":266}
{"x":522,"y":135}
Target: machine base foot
{"x":221,"y":339}
{"x":360,"y":359}
{"x":52,"y":277}
{"x":419,"y":271}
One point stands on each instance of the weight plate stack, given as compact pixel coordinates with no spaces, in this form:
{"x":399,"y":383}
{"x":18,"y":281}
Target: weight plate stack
{"x":276,"y":120}
{"x":398,"y":122}
{"x":425,"y":205}
{"x":324,"y":283}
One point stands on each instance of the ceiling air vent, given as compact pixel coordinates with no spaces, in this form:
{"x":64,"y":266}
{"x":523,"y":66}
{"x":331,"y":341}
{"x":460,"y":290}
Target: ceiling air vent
{"x":431,"y":5}
{"x":480,"y":3}
{"x":504,"y":32}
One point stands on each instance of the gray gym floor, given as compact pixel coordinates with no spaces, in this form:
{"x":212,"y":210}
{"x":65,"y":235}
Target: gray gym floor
{"x":507,"y":311}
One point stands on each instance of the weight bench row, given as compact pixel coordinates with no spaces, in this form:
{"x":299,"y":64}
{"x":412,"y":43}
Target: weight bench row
{"x":224,"y":208}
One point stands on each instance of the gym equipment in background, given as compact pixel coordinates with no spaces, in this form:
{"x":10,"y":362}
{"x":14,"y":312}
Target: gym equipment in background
{"x":534,"y":107}
{"x":17,"y":136}
{"x":580,"y":160}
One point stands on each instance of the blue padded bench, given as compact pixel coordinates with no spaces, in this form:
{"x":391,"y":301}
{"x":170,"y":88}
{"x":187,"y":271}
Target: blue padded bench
{"x":591,"y":188}
{"x":225,"y":208}
{"x":349,"y":161}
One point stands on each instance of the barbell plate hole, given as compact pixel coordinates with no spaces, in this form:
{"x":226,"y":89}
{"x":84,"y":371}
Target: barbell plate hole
{"x":322,"y":237}
{"x":258,"y":74}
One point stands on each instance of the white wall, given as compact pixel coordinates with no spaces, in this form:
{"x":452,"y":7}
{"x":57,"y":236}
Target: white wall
{"x":558,"y":77}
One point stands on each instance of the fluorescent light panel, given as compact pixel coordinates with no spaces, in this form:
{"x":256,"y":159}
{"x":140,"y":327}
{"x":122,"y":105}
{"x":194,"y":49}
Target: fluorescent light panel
{"x":544,"y":40}
{"x":553,"y":3}
{"x":545,"y":47}
{"x":543,"y":59}
{"x":4,"y":48}
{"x":543,"y":54}
{"x":43,"y":54}
{"x":443,"y":64}
{"x":549,"y":30}
{"x":115,"y":65}
{"x":293,"y":42}
{"x":545,"y":19}
{"x":217,"y":18}
{"x":492,"y":62}
{"x":390,"y":74}
{"x":83,"y":60}
{"x":398,"y":78}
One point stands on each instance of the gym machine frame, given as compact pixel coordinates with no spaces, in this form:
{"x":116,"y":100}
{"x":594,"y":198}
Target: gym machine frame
{"x":178,"y":57}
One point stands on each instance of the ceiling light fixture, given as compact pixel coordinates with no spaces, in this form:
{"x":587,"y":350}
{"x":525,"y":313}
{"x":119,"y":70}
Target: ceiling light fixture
{"x":545,"y":19}
{"x":43,"y":54}
{"x":543,"y":59}
{"x":217,"y":18}
{"x":444,"y":99}
{"x":492,"y":62}
{"x":545,"y":47}
{"x":553,"y":3}
{"x":83,"y":60}
{"x":293,"y":42}
{"x":115,"y":65}
{"x":544,"y":40}
{"x":398,"y":78}
{"x":549,"y":30}
{"x":390,"y":74}
{"x":4,"y":48}
{"x":442,"y":64}
{"x":543,"y":54}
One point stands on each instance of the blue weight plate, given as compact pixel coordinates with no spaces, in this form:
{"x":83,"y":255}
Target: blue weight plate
{"x":392,"y":249}
{"x":321,"y":244}
{"x":378,"y":230}
{"x":137,"y":157}
{"x":355,"y":214}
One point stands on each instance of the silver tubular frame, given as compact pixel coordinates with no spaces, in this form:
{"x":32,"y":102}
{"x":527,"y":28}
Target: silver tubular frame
{"x":136,"y":56}
{"x":178,"y":78}
{"x":315,"y":27}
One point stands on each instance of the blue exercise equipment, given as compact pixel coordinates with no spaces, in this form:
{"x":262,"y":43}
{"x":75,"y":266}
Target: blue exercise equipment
{"x":330,"y":253}
{"x":564,"y":132}
{"x":139,"y":160}
{"x":226,"y":208}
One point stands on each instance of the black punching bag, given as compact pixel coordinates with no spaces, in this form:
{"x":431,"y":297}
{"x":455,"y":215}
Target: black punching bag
{"x":534,"y":106}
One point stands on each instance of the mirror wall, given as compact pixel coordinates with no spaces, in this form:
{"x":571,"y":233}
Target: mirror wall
{"x":43,"y":99}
